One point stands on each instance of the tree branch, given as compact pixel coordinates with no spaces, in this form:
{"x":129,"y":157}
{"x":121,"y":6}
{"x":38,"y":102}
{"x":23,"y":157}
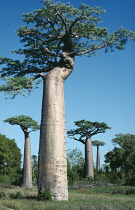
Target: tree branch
{"x":59,"y":14}
{"x":51,"y":53}
{"x":82,"y":141}
{"x":52,"y":25}
{"x":72,"y":25}
{"x":91,"y":49}
{"x":49,"y":37}
{"x":96,"y":132}
{"x":37,"y":76}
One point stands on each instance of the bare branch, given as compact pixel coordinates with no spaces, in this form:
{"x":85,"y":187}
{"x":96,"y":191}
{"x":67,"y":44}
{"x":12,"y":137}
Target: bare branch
{"x":82,"y":141}
{"x":36,"y":77}
{"x":52,"y":24}
{"x":91,"y":49}
{"x":72,"y":25}
{"x":49,"y":37}
{"x":59,"y":14}
{"x":51,"y":53}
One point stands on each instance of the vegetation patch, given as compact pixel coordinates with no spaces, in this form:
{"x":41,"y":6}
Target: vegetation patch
{"x":109,"y":190}
{"x":16,"y":195}
{"x":45,"y":195}
{"x":79,"y":199}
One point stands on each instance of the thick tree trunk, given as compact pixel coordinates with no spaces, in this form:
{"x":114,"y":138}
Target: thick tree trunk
{"x":98,"y":159}
{"x":52,"y":148}
{"x":27,"y":168}
{"x":89,"y":158}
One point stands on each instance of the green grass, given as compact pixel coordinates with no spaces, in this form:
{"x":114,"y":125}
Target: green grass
{"x":79,"y":199}
{"x":111,"y":190}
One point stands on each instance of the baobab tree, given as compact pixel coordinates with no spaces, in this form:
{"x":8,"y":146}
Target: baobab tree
{"x":83,"y":133}
{"x":98,"y":144}
{"x":53,"y":36}
{"x":27,"y":124}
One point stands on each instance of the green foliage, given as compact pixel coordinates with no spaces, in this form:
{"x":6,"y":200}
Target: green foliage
{"x":85,"y":129}
{"x":16,"y":195}
{"x":79,"y":199}
{"x":98,"y":143}
{"x":34,"y":169}
{"x":75,"y":157}
{"x":122,"y":159}
{"x":106,"y":168}
{"x":25,"y":122}
{"x":52,"y":30}
{"x":5,"y":179}
{"x":2,"y":195}
{"x":88,"y":180}
{"x":18,"y":85}
{"x":101,"y":178}
{"x":10,"y":161}
{"x":75,"y":166}
{"x":45,"y":195}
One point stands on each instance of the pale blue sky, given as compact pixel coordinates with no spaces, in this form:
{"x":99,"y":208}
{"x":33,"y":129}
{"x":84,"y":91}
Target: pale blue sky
{"x":100,"y":88}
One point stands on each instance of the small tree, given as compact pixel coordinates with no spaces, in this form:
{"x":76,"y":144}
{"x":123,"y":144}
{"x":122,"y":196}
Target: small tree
{"x":122,"y":158}
{"x":74,"y":157}
{"x":10,"y":161}
{"x":98,"y":144}
{"x":75,"y":165}
{"x":85,"y":130}
{"x":34,"y":169}
{"x":25,"y":122}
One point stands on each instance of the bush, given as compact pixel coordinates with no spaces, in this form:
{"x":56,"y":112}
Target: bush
{"x":16,"y":195}
{"x":5,"y":180}
{"x":100,"y":179}
{"x":45,"y":195}
{"x":2,"y":195}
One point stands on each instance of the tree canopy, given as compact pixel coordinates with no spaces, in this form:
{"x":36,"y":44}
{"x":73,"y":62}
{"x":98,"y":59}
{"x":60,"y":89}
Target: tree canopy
{"x":25,"y":122}
{"x":98,"y":143}
{"x":122,"y":157}
{"x":87,"y":129}
{"x":75,"y":165}
{"x":51,"y":31}
{"x":75,"y":157}
{"x":10,"y":161}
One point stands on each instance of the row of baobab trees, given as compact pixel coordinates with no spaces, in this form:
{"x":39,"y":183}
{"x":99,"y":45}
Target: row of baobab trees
{"x":83,"y":133}
{"x":52,"y":38}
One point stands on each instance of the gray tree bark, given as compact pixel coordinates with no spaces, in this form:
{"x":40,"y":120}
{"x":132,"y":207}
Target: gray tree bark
{"x":98,"y":159}
{"x":89,"y":158}
{"x":27,"y":168}
{"x":52,"y":146}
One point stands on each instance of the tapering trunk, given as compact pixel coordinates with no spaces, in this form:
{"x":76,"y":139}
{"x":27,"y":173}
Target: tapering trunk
{"x":98,"y":159}
{"x":27,"y":168}
{"x":89,"y":158}
{"x":52,"y":148}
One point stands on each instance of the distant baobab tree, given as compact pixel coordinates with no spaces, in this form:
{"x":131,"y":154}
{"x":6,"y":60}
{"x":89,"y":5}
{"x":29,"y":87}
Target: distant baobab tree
{"x":98,"y":144}
{"x":52,"y":38}
{"x":83,"y":133}
{"x":27,"y":124}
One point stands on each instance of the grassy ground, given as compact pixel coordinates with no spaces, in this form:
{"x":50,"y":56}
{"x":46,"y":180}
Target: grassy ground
{"x":80,"y":199}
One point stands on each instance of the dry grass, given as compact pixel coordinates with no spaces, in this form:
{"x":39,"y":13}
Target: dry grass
{"x":82,"y":199}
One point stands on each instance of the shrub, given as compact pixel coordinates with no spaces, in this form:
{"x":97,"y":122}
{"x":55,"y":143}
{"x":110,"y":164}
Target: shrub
{"x":45,"y":195}
{"x":2,"y":195}
{"x":16,"y":195}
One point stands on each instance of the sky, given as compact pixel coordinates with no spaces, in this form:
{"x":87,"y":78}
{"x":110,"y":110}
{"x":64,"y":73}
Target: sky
{"x":101,"y":88}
